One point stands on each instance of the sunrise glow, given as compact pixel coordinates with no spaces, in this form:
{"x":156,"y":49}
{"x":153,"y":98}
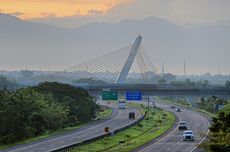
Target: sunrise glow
{"x":30,"y":9}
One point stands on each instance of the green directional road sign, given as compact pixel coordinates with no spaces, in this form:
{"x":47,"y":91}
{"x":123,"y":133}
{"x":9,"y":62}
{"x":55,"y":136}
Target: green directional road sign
{"x":109,"y":95}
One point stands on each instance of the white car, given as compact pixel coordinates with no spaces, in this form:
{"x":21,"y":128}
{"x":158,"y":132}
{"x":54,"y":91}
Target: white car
{"x":188,"y":135}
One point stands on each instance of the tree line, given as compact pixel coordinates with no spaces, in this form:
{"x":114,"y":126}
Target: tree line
{"x":210,"y":104}
{"x":32,"y":111}
{"x":7,"y":83}
{"x":219,"y":137}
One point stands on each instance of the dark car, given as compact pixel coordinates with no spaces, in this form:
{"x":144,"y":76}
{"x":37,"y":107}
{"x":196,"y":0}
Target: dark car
{"x":178,"y":110}
{"x":172,"y":107}
{"x":131,"y":115}
{"x":182,"y":125}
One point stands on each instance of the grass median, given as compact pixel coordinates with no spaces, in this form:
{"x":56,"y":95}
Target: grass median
{"x":104,"y":112}
{"x":159,"y":122}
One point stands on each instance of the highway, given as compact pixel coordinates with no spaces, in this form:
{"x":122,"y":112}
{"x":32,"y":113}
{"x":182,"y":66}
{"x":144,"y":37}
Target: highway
{"x":118,"y":120}
{"x":172,"y":141}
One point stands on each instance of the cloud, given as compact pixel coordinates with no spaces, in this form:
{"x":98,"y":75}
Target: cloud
{"x":61,"y":8}
{"x":94,"y":12}
{"x":16,"y":13}
{"x":78,"y":13}
{"x":48,"y":15}
{"x":183,"y":12}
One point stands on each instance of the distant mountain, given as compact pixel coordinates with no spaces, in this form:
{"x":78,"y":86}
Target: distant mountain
{"x":11,"y":24}
{"x":39,"y":45}
{"x":8,"y":19}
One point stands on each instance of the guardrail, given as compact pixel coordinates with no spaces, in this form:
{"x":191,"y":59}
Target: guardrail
{"x":73,"y":146}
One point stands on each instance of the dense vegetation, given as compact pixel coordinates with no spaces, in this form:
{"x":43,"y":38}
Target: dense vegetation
{"x":7,"y":83}
{"x":219,"y":138}
{"x":190,"y":84}
{"x":179,"y":100}
{"x":210,"y":104}
{"x":30,"y":112}
{"x":227,"y":85}
{"x":82,"y":106}
{"x":89,"y":81}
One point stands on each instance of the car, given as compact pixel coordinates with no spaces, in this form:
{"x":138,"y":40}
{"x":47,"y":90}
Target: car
{"x":132,"y":115}
{"x":172,"y":107}
{"x":188,"y":135}
{"x":178,"y":110}
{"x":121,"y":104}
{"x":182,"y":125}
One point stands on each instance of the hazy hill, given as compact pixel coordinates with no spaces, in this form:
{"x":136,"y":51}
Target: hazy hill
{"x":38,"y":45}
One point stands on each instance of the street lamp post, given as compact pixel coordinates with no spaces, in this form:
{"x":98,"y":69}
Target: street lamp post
{"x":148,"y":108}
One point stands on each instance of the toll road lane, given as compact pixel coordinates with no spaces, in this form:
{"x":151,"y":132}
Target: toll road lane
{"x":173,"y":141}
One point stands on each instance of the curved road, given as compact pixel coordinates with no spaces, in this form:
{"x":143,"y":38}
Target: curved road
{"x":117,"y":121}
{"x":172,"y":142}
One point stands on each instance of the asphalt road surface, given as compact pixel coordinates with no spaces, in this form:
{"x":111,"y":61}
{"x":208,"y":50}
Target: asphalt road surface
{"x":118,"y":120}
{"x":172,"y":141}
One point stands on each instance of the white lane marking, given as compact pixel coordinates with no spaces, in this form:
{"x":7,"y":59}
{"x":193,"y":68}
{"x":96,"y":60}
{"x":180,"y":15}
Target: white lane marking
{"x":163,"y":137}
{"x":203,"y":138}
{"x":198,"y":110}
{"x":188,"y":102}
{"x":119,"y":113}
{"x":176,"y":144}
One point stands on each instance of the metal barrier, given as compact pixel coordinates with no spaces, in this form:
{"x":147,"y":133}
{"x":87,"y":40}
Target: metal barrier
{"x":73,"y":146}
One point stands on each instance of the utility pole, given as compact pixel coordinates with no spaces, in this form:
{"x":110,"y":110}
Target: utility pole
{"x":148,"y":108}
{"x":184,"y":67}
{"x":95,"y":104}
{"x":219,"y":72}
{"x":163,"y":69}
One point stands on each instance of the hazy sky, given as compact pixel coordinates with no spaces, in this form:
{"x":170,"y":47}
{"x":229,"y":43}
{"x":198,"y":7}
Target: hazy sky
{"x":72,"y":13}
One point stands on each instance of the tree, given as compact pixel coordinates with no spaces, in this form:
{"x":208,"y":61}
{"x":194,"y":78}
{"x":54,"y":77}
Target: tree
{"x":80,"y":103}
{"x":219,"y":142}
{"x":29,"y":112}
{"x":162,"y":81}
{"x":90,"y":81}
{"x":7,"y":83}
{"x":220,"y":132}
{"x":26,"y":113}
{"x":227,"y":85}
{"x":210,"y":103}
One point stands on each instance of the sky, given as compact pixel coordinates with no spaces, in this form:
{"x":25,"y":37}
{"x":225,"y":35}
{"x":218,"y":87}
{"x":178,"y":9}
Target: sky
{"x":73,"y":13}
{"x":32,"y":9}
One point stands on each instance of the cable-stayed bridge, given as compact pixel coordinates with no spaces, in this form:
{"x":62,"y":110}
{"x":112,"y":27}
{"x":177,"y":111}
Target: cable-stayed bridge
{"x":112,"y":71}
{"x":110,"y":68}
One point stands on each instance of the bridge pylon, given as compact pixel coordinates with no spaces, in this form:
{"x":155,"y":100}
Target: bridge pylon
{"x":133,"y":52}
